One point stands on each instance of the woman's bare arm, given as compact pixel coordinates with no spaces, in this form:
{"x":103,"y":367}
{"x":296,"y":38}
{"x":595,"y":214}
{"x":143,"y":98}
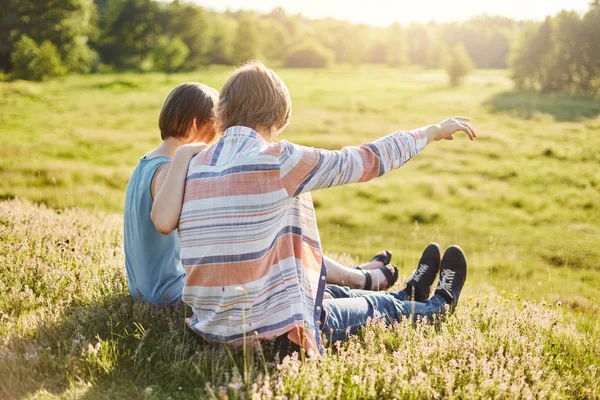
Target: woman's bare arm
{"x":169,"y":185}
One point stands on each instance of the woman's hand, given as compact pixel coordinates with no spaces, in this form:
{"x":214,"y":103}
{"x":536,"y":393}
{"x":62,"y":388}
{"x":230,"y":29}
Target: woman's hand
{"x":446,"y":129}
{"x":191,"y":149}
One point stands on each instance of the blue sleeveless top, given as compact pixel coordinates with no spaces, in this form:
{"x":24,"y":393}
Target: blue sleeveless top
{"x":154,"y":270}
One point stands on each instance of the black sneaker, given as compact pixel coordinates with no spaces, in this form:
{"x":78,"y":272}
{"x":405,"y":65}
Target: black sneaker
{"x":419,"y":283}
{"x":453,"y":274}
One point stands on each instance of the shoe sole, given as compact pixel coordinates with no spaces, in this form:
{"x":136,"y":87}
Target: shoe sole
{"x":439,"y":249}
{"x":454,"y":251}
{"x":461,"y":252}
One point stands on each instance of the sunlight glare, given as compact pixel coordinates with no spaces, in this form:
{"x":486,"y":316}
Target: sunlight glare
{"x":385,"y":12}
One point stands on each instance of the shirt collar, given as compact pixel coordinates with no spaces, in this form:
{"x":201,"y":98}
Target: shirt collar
{"x":243,"y":131}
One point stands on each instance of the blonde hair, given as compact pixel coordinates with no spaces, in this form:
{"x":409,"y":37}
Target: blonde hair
{"x":256,"y":97}
{"x":187,"y":102}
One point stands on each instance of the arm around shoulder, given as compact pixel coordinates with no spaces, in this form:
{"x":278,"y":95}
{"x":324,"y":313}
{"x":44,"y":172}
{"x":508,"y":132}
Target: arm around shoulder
{"x":171,"y":186}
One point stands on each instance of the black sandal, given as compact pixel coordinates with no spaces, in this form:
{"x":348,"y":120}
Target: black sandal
{"x":385,"y":259}
{"x":391,"y":278}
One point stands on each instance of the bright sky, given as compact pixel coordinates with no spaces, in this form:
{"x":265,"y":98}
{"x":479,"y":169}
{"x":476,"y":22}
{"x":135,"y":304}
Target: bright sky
{"x":385,"y":12}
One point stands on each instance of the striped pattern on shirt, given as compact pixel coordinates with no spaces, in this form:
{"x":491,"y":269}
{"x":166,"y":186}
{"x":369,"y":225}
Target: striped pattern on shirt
{"x":249,"y":239}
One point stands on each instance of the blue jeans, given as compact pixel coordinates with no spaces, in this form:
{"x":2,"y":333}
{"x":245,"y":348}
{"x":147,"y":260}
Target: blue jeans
{"x":350,"y":309}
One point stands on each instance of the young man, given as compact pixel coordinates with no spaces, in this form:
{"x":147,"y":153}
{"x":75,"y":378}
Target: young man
{"x":155,"y":194}
{"x":152,"y":260}
{"x":249,"y":239}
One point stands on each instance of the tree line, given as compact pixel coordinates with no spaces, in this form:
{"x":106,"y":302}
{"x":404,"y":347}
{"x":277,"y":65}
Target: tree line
{"x":40,"y":38}
{"x":561,"y":54}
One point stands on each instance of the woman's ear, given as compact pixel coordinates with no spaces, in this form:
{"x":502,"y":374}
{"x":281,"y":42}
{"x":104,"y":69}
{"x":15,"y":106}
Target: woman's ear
{"x":194,"y":130}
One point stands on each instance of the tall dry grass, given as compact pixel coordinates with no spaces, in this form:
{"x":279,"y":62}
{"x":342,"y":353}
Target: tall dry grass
{"x":69,"y":330}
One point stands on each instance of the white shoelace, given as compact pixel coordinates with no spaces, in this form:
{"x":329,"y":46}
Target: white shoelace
{"x":446,"y":279}
{"x":418,"y":274}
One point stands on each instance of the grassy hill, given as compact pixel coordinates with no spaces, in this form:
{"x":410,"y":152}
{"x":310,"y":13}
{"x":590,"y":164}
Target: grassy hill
{"x":523,"y":201}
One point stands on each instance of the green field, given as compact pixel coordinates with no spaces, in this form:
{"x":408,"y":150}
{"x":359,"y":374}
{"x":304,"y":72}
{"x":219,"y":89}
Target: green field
{"x":523,"y":201}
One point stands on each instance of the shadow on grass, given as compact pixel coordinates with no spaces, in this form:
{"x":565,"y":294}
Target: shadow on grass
{"x":563,"y":108}
{"x":119,"y":84}
{"x":119,"y":348}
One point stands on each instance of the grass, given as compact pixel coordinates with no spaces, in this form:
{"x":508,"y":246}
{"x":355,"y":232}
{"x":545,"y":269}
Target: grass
{"x":523,"y":201}
{"x":70,"y":330}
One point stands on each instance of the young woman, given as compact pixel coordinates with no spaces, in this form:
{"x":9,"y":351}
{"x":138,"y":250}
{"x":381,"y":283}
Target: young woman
{"x":152,"y":259}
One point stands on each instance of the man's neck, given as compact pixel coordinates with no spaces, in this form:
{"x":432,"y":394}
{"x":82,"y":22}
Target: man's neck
{"x":267,"y":134}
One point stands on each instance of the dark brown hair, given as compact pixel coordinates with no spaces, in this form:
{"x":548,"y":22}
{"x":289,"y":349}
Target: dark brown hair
{"x":187,"y":102}
{"x":256,"y":97}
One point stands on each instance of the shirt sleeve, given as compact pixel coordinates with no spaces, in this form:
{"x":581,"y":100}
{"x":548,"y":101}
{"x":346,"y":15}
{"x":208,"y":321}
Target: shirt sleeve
{"x":304,"y":169}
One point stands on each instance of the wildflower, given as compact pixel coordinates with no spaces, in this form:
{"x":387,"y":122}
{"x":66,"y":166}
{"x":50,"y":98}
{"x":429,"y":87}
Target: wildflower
{"x":148,"y":391}
{"x":559,"y":304}
{"x":90,"y":350}
{"x":355,"y":379}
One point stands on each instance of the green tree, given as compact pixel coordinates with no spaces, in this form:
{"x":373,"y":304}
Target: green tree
{"x":35,"y":63}
{"x":567,"y":66}
{"x":6,"y":43}
{"x":129,"y":30}
{"x":459,"y":64}
{"x":397,"y":50}
{"x":356,"y":43}
{"x":560,"y":55}
{"x":276,"y":39}
{"x":247,"y":43}
{"x":191,"y":23}
{"x":590,"y":31}
{"x":48,"y":63}
{"x":221,"y":40}
{"x":24,"y":56}
{"x":309,"y":55}
{"x":378,"y":53}
{"x":530,"y":56}
{"x":169,"y":54}
{"x":437,"y":55}
{"x":67,"y":24}
{"x":419,"y":42}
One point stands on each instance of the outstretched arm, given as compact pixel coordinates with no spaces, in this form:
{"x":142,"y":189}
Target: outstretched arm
{"x":304,"y":169}
{"x":169,"y":189}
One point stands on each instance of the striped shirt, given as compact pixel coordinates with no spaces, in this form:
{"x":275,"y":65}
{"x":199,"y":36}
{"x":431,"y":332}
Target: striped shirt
{"x":249,"y":239}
